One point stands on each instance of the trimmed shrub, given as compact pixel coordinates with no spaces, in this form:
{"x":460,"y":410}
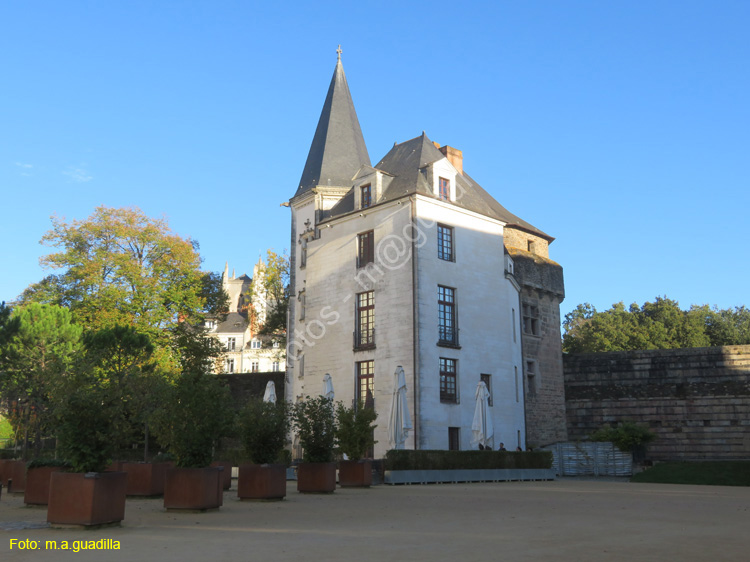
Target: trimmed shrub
{"x":452,"y":460}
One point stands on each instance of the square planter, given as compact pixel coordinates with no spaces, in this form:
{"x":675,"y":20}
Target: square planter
{"x":194,"y":488}
{"x":145,"y":478}
{"x":37,"y":484}
{"x":93,"y":498}
{"x":261,"y":482}
{"x":227,"y":482}
{"x":16,"y":471}
{"x":355,"y":474}
{"x":316,"y":477}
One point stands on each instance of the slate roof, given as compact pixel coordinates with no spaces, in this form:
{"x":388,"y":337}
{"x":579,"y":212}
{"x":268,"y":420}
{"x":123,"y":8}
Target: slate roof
{"x":338,"y":148}
{"x":405,"y":162}
{"x":234,"y":322}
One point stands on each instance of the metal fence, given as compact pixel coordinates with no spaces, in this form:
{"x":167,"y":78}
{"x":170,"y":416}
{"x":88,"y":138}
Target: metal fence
{"x":590,"y":459}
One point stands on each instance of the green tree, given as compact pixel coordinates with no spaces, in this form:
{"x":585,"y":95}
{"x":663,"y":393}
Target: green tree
{"x":274,"y":291}
{"x":39,"y":345}
{"x":122,"y":267}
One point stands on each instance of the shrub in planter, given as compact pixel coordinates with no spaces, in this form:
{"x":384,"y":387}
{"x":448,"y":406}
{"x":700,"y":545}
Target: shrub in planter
{"x":315,"y":424}
{"x":86,"y":423}
{"x":627,"y":436}
{"x":196,"y":416}
{"x":354,"y":434}
{"x":264,"y":427}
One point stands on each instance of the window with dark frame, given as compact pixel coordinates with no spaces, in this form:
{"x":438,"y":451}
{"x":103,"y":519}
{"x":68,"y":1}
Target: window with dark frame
{"x":254,"y":367}
{"x":447,"y":325}
{"x":231,"y":344}
{"x":530,"y":319}
{"x":454,"y":438}
{"x":444,"y":187}
{"x":448,"y":381}
{"x":445,"y":243}
{"x":230,"y":366}
{"x":364,"y":336}
{"x":487,"y":379}
{"x":365,"y":196}
{"x":531,"y":378}
{"x":365,"y":248}
{"x":366,"y":384}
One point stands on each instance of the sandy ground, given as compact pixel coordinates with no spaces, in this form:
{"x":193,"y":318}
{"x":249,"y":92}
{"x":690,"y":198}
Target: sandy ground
{"x":561,"y":520}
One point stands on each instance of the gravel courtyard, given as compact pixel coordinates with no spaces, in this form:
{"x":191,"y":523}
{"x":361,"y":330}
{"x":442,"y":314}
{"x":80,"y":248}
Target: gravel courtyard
{"x":560,"y":520}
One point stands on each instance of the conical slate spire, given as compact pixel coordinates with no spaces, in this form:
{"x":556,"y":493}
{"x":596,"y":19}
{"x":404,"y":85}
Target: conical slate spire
{"x":338,"y":149}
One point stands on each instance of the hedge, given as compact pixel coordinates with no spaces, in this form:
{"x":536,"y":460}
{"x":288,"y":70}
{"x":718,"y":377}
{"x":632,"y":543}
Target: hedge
{"x":451,"y":460}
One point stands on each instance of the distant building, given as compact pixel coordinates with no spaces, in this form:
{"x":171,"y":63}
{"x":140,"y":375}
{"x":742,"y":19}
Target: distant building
{"x":412,"y":263}
{"x":247,"y":351}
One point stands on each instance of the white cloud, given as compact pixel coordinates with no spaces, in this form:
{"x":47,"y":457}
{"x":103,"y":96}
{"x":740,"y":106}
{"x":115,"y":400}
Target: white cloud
{"x":77,"y":175}
{"x":24,"y":168}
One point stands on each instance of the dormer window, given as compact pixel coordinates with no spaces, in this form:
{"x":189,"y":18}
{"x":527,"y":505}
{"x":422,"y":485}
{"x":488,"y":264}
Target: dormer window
{"x":365,"y":196}
{"x":444,"y":189}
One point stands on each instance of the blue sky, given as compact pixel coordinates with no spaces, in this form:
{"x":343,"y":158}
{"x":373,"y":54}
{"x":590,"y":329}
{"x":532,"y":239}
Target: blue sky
{"x":620,"y":128}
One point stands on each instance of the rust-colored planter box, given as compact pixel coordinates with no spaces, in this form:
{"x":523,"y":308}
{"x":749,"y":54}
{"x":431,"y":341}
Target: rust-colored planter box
{"x":93,"y":498}
{"x":16,"y":471}
{"x":261,"y":482}
{"x":145,"y":478}
{"x":37,"y":484}
{"x":194,"y":488}
{"x":227,"y":475}
{"x":115,"y":466}
{"x":355,"y":474}
{"x":316,"y":477}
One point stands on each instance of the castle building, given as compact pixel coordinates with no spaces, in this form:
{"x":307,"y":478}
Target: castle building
{"x":411,"y":263}
{"x":246,"y":351}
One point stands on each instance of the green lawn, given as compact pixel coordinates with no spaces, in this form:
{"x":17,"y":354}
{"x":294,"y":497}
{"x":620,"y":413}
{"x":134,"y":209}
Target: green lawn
{"x":5,"y":430}
{"x":712,"y":473}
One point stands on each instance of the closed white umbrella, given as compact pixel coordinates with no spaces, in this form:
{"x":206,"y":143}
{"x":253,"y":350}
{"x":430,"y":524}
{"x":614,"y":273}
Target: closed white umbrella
{"x":270,"y":394}
{"x":328,"y":387}
{"x":482,"y":430}
{"x":399,"y":423}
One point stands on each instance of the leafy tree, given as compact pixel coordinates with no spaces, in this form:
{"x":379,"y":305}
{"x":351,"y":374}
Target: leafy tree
{"x":315,"y":423}
{"x":656,"y":325}
{"x":39,"y":343}
{"x":264,"y":427}
{"x":627,"y":436}
{"x":122,"y":267}
{"x":274,"y":291}
{"x":354,"y":430}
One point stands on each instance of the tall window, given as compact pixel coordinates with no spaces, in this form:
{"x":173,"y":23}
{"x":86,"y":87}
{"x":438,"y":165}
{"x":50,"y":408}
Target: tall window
{"x":365,"y":248}
{"x":445,"y":243}
{"x":254,"y":367}
{"x":366,"y":384}
{"x":454,"y":441}
{"x":444,"y":187}
{"x":448,"y":383}
{"x":364,"y":335}
{"x":487,"y":379}
{"x":531,"y":378}
{"x":275,"y":366}
{"x":230,"y":366}
{"x":231,"y":344}
{"x":530,"y":320}
{"x":447,"y":325}
{"x":366,"y":196}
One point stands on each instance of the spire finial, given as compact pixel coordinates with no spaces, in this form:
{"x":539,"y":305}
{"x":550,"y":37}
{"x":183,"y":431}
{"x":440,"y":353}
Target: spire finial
{"x":338,"y":52}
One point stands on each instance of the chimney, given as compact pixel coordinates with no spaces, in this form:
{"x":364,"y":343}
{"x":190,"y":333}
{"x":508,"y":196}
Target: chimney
{"x":454,"y":156}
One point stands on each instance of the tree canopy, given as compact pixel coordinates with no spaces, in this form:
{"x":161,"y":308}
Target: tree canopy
{"x":120,"y":267}
{"x":661,"y":324}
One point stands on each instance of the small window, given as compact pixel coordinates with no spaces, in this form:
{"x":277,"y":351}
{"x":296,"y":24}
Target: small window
{"x":530,"y":320}
{"x":454,"y":438}
{"x":254,"y":367}
{"x":366,"y":384}
{"x":445,"y":243}
{"x":230,"y":366}
{"x":210,"y":324}
{"x":255,"y":344}
{"x":444,"y":187}
{"x":365,"y":248}
{"x":275,"y":366}
{"x":231,"y":344}
{"x":487,"y":379}
{"x":365,"y":196}
{"x":531,"y":246}
{"x":531,"y":378}
{"x":448,"y":381}
{"x":275,"y":344}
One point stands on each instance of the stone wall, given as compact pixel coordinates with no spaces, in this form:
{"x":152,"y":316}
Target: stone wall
{"x":696,"y":400}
